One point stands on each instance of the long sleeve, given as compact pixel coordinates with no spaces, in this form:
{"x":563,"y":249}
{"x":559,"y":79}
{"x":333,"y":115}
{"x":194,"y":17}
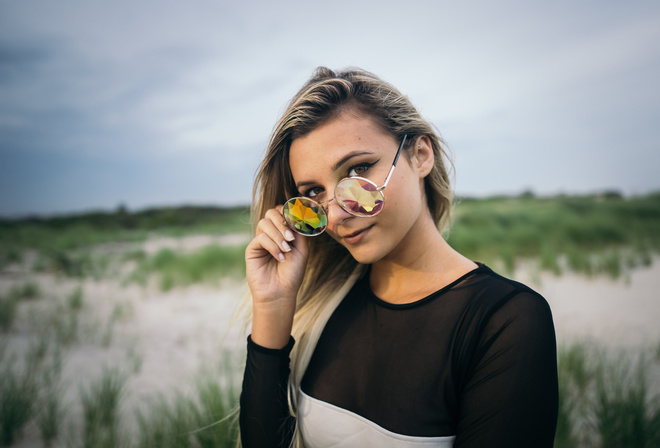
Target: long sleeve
{"x":509,"y":396}
{"x":264,"y":419}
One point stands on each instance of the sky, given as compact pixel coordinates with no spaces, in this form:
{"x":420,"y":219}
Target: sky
{"x":160,"y":102}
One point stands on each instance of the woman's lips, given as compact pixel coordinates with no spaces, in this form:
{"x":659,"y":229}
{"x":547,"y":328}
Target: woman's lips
{"x":356,"y":237}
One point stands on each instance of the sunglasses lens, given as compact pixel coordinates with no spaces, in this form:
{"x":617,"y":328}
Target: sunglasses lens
{"x":305,"y":216}
{"x":359,"y":197}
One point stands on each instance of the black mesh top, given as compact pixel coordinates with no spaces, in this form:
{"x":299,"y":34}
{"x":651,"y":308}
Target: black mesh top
{"x":476,"y":359}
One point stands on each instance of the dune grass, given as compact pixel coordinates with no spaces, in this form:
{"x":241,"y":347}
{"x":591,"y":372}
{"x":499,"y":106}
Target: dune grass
{"x":205,"y":419}
{"x":33,"y":393}
{"x":592,"y":235}
{"x":63,"y":243}
{"x":206,"y":265}
{"x":19,"y":391}
{"x":64,"y":233}
{"x":101,"y":410}
{"x":9,"y":302}
{"x":8,"y":307}
{"x":29,"y":387}
{"x":606,"y":399}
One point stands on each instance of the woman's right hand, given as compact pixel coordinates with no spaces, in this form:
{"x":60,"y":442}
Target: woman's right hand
{"x":275,"y":263}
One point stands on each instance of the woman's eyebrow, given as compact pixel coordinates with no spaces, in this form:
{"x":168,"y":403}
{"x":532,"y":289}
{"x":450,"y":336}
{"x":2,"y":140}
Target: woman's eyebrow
{"x":349,"y":156}
{"x":300,"y":186}
{"x":336,"y":166}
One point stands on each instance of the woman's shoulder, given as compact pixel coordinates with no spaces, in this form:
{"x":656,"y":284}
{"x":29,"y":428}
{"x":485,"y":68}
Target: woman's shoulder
{"x":488,"y":292}
{"x":497,"y":309}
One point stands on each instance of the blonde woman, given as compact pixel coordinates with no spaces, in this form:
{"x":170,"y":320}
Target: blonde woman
{"x":368,"y":329}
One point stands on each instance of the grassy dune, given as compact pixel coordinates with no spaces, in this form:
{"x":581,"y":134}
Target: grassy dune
{"x":591,"y":235}
{"x":607,"y":399}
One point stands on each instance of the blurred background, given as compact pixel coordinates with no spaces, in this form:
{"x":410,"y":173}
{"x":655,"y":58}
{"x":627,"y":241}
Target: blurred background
{"x":130,"y":133}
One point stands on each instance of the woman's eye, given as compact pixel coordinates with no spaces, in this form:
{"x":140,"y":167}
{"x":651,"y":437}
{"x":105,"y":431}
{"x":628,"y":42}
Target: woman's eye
{"x":313,"y":192}
{"x":359,"y":170}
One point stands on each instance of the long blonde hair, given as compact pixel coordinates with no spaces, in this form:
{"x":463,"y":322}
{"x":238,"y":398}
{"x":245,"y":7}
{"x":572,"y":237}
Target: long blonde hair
{"x":331,"y":270}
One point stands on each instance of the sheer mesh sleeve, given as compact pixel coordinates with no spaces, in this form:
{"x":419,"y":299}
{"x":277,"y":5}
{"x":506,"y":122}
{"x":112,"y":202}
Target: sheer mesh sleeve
{"x":264,"y":419}
{"x":509,"y":395}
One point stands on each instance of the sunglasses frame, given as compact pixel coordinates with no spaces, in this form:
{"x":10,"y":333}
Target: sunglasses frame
{"x":322,"y":205}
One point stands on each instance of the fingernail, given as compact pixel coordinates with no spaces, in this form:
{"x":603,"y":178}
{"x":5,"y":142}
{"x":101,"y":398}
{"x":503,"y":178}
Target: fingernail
{"x":289,"y":235}
{"x":281,"y":257}
{"x":286,"y":246}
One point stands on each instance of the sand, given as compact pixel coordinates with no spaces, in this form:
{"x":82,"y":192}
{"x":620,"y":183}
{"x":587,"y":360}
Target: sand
{"x":621,"y":313}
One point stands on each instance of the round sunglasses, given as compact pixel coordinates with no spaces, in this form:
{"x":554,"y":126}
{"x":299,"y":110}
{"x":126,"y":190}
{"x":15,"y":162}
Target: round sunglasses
{"x":356,"y":195}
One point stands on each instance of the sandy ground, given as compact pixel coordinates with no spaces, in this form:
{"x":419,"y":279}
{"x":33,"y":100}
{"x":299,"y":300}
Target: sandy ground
{"x":162,"y":340}
{"x":620,"y":313}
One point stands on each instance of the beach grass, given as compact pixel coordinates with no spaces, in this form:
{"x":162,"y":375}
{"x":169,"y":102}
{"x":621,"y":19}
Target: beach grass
{"x":101,"y":410}
{"x":19,"y":391}
{"x":606,"y":399}
{"x":594,"y":235}
{"x":590,"y":235}
{"x":8,"y":308}
{"x":206,"y":265}
{"x":207,"y":418}
{"x":65,"y":233}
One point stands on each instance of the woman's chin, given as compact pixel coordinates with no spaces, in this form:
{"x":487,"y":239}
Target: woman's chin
{"x":366,"y":255}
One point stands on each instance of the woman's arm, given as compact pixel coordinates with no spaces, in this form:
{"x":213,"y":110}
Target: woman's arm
{"x":275,"y":262}
{"x":264,"y":419}
{"x":509,"y":398}
{"x":275,"y":266}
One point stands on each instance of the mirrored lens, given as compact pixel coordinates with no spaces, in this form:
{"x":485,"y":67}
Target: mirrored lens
{"x":359,"y":196}
{"x":305,"y":216}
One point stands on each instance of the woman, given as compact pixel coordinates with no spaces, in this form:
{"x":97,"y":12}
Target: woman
{"x":368,"y":329}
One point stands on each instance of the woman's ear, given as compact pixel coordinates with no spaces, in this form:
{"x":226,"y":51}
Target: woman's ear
{"x":423,"y":158}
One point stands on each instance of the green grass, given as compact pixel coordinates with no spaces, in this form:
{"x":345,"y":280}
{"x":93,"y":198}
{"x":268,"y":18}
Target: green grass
{"x":9,"y":302}
{"x":51,"y":412}
{"x":101,"y":410}
{"x":206,"y":265}
{"x":19,"y":392}
{"x":8,"y":308}
{"x":30,"y":390}
{"x":205,"y":419}
{"x":606,"y":399}
{"x":63,"y":243}
{"x":75,"y":300}
{"x":27,"y":291}
{"x":65,"y":233}
{"x":591,"y":235}
{"x":65,"y":326}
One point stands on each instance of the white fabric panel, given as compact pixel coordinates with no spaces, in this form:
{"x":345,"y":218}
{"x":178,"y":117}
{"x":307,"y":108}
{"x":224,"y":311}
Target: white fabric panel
{"x":324,"y":425}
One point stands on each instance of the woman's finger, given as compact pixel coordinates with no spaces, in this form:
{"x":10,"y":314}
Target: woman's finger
{"x":263,"y":242}
{"x":274,"y":231}
{"x":284,"y":226}
{"x":274,"y":223}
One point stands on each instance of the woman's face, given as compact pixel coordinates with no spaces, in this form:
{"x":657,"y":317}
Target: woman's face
{"x":353,"y":145}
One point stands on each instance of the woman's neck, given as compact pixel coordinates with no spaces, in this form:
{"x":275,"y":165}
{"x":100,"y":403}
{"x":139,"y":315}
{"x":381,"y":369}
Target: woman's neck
{"x":422,"y":264}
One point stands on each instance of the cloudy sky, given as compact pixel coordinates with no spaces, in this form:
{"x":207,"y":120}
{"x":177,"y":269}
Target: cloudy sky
{"x":148,"y":102}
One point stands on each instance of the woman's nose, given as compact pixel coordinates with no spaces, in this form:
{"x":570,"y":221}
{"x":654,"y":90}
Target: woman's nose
{"x":336,"y":214}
